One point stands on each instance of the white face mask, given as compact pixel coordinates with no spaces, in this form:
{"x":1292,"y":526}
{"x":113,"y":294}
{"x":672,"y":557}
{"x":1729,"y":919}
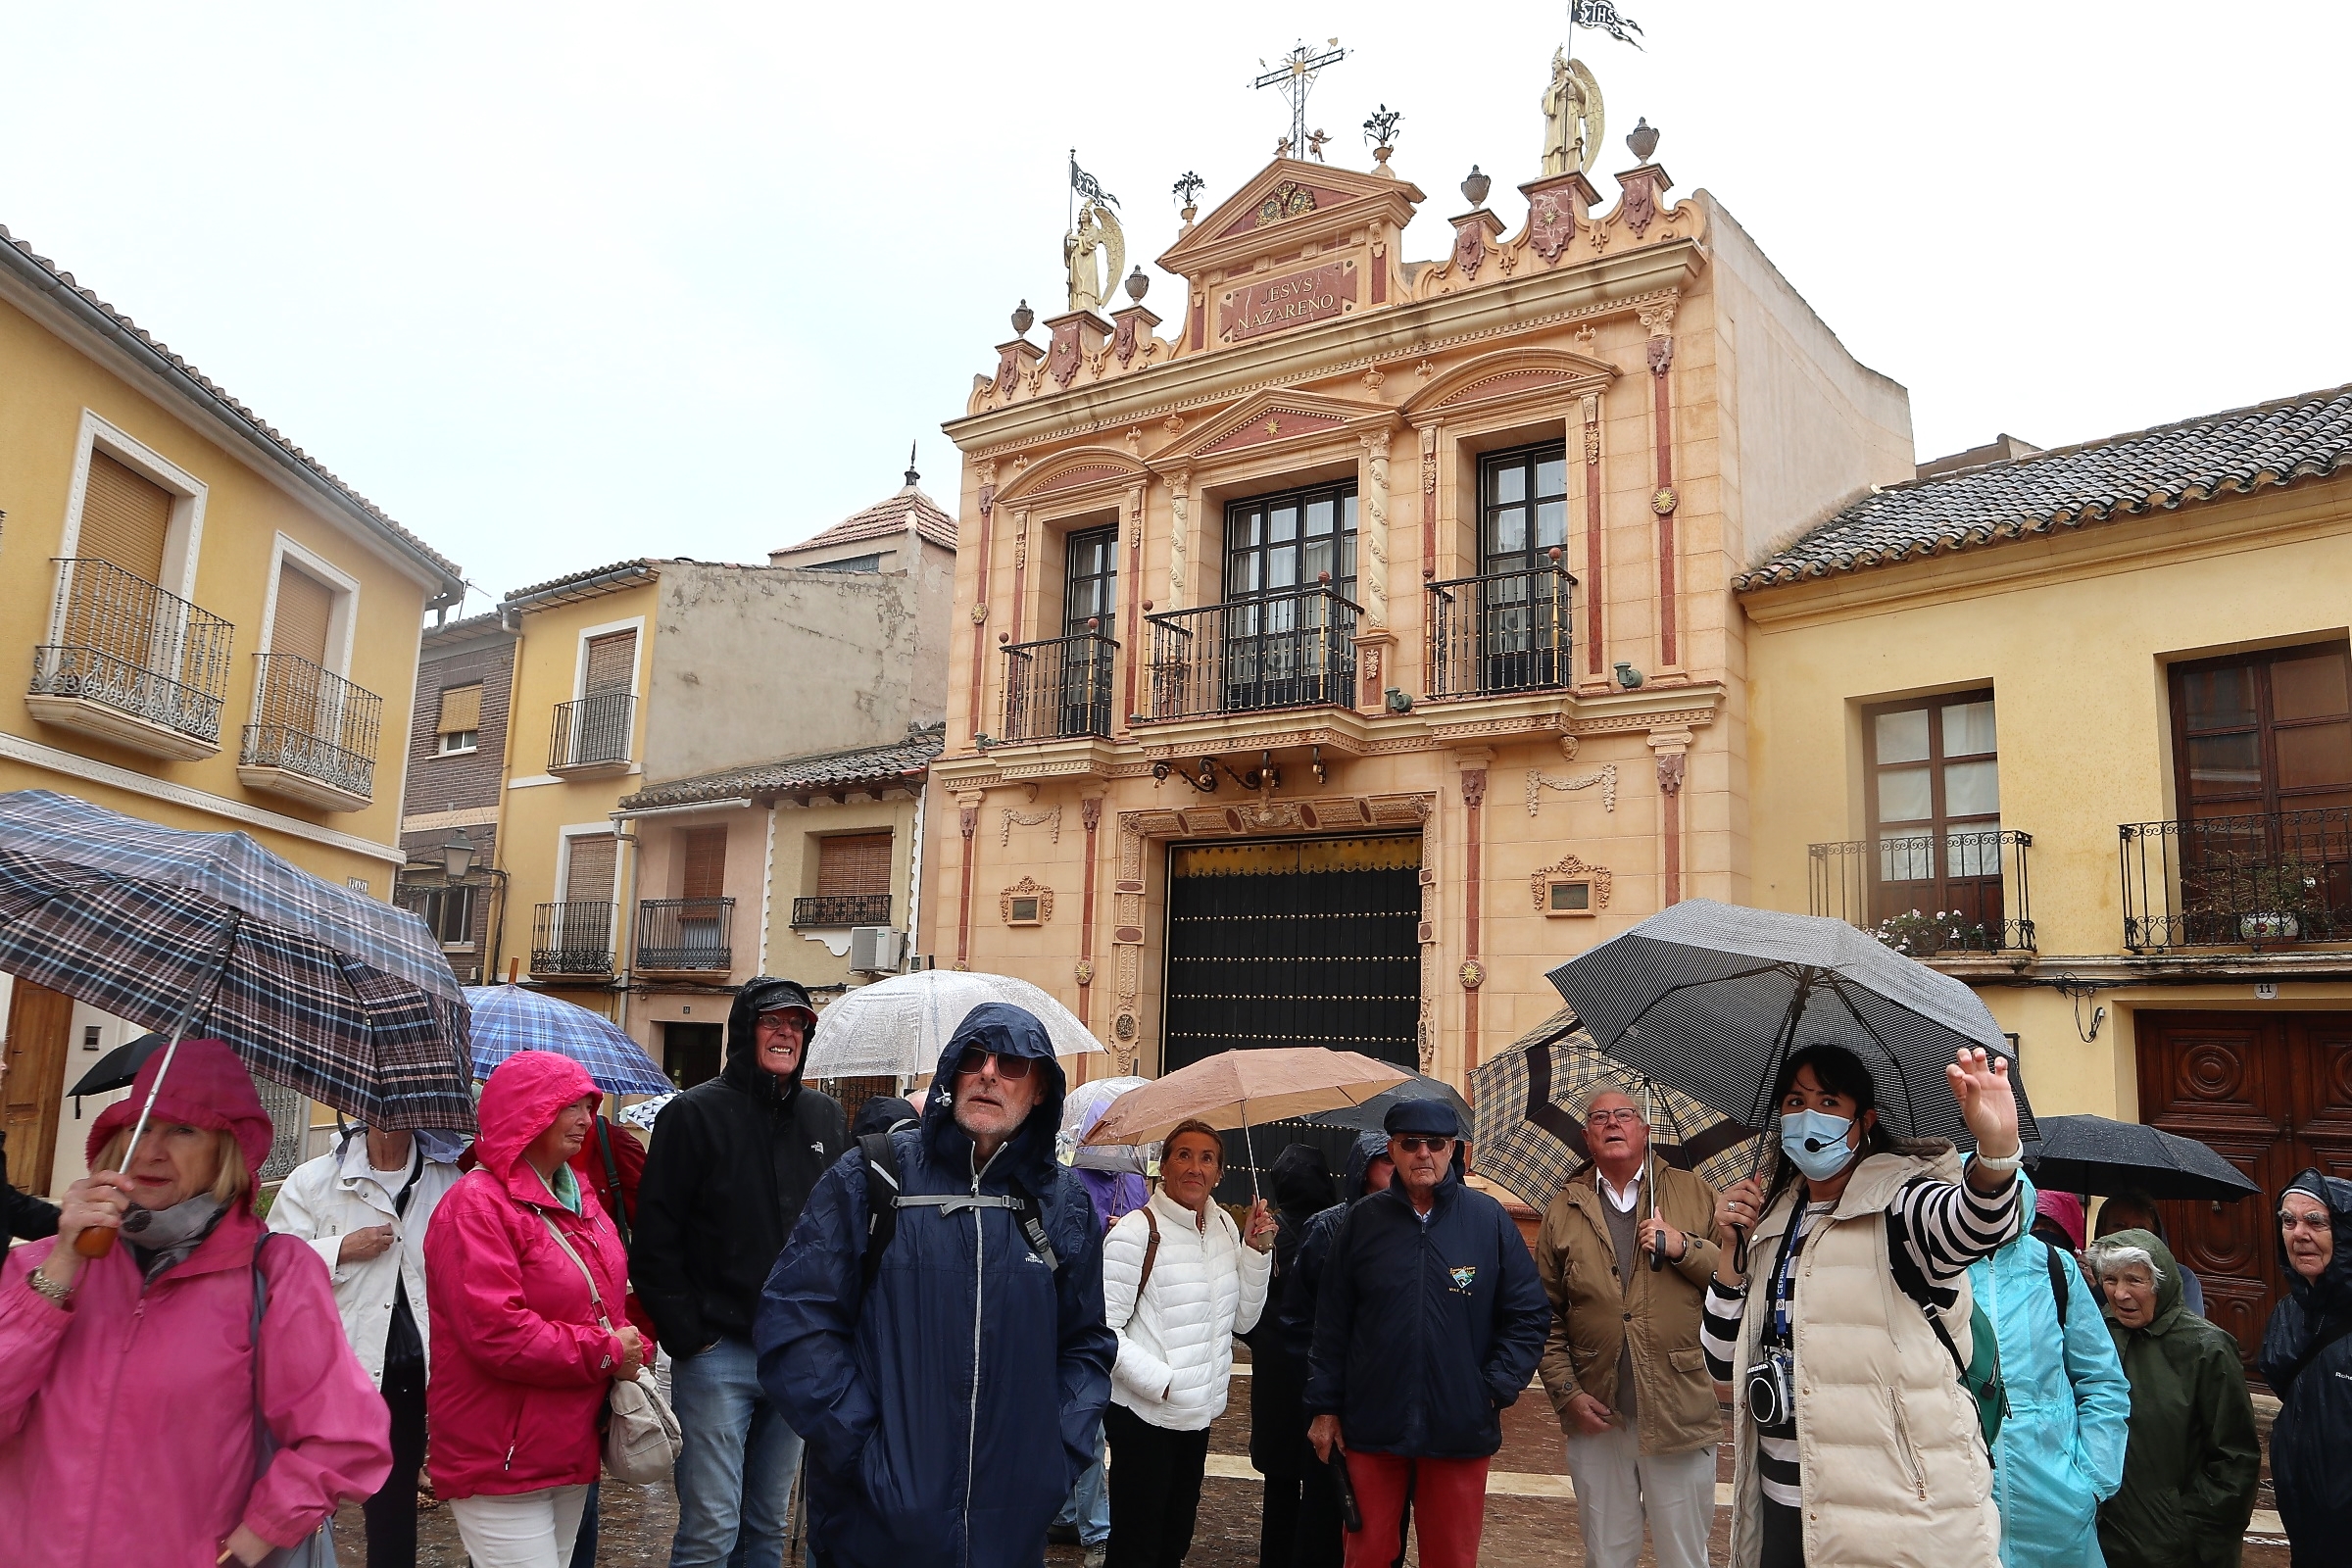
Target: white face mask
{"x":1815,"y":1143}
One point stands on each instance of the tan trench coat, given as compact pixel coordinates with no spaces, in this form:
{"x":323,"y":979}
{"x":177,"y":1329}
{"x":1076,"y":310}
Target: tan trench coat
{"x":1591,"y":1312}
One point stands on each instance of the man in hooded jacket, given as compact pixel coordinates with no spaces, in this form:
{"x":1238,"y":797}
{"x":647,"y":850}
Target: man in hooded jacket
{"x":937,"y":1387}
{"x":2307,"y":1360}
{"x":731,"y":1164}
{"x":1301,"y":1188}
{"x":1316,"y":1540}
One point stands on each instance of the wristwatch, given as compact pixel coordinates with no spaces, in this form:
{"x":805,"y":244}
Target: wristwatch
{"x":62,"y":1295}
{"x":2006,"y":1166}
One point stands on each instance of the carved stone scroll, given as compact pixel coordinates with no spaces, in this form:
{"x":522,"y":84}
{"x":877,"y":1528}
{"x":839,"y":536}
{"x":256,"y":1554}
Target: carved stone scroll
{"x":1538,"y":781}
{"x":1050,"y":818}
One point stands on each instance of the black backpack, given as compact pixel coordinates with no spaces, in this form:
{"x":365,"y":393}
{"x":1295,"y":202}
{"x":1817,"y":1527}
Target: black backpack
{"x":884,"y":1200}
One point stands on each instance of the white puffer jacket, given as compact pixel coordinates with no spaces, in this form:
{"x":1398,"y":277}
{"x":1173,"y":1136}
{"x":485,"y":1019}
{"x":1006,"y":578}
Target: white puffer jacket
{"x":1177,"y":1341}
{"x":337,"y":1193}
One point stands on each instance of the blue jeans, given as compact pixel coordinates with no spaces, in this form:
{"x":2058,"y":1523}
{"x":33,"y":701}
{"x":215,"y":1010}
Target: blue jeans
{"x":1089,"y":1504}
{"x":735,"y":1472}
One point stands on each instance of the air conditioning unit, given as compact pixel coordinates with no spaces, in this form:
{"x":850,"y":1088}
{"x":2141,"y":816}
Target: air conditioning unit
{"x":876,"y":948}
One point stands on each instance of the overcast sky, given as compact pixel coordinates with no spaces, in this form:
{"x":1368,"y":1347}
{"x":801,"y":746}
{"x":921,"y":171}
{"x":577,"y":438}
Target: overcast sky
{"x":559,"y":285}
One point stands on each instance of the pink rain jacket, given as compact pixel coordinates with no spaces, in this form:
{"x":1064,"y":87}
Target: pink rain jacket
{"x":514,"y":1400}
{"x":126,"y":1424}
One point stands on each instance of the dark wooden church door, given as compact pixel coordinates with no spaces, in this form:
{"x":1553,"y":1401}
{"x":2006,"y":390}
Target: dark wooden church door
{"x":2271,"y":1092}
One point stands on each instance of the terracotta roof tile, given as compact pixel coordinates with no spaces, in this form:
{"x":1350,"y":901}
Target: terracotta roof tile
{"x":2232,"y":453}
{"x":884,"y":518}
{"x":895,"y":763}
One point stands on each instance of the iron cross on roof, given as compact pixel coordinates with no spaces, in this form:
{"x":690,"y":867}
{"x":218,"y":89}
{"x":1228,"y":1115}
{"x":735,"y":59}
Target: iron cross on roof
{"x":1295,"y":76}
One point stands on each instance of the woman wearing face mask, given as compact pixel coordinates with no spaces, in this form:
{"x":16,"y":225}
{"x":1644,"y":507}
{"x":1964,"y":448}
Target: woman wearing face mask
{"x":1856,"y":1444}
{"x":132,"y":1389}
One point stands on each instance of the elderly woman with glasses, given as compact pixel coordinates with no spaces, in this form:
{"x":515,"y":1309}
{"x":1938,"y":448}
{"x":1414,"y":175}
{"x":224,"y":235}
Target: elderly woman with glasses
{"x":2192,"y":1462}
{"x":2307,"y":1360}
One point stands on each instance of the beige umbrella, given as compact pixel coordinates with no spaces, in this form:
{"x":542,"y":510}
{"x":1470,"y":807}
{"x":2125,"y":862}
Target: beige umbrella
{"x":1235,"y":1088}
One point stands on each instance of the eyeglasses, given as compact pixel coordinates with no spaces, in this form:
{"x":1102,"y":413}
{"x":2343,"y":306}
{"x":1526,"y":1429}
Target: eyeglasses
{"x":2318,"y":1221}
{"x":1012,"y":1069}
{"x":783,"y":1017}
{"x":1603,"y":1118}
{"x":1415,"y":1143}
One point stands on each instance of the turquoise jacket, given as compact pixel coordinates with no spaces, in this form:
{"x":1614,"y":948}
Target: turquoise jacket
{"x":2061,"y":1451}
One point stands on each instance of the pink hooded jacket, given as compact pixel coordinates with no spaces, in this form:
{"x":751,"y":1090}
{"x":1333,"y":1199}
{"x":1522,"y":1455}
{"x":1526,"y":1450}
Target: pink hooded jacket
{"x":126,"y":1423}
{"x":513,"y":1402}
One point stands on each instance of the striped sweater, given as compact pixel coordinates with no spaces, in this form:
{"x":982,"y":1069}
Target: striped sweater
{"x":1949,"y":1225}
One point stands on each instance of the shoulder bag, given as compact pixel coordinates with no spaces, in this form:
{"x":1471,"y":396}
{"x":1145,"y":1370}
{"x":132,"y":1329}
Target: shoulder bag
{"x":318,"y":1548}
{"x":641,"y":1438}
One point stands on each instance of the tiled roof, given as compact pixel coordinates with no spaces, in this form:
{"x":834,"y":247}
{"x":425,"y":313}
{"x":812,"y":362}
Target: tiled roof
{"x":452,"y":631}
{"x":896,"y":763}
{"x":88,"y":305}
{"x":2125,"y":476}
{"x":556,"y":587}
{"x":884,"y":518}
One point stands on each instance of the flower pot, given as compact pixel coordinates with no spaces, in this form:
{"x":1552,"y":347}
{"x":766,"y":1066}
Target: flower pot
{"x":2268,"y":927}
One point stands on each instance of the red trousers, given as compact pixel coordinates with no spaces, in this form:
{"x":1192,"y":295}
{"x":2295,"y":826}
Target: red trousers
{"x":1450,"y":1509}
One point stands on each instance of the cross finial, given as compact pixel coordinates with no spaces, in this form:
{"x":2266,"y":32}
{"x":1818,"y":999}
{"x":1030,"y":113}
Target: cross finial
{"x":1295,"y":76}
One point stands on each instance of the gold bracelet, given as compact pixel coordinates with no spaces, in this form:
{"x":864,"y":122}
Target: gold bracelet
{"x":62,"y":1295}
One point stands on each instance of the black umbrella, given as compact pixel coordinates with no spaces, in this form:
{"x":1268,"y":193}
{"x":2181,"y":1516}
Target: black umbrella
{"x":1368,"y":1116}
{"x":2093,"y":1154}
{"x":1709,"y":1000}
{"x":119,"y":1067}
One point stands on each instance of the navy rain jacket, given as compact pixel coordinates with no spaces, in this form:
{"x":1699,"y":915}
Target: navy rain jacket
{"x":1295,"y":1314}
{"x":2307,"y":1360}
{"x":936,"y":1406}
{"x":1426,"y":1330}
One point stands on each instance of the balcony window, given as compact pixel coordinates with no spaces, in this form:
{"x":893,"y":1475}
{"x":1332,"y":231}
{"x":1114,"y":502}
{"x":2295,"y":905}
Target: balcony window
{"x":852,"y":882}
{"x":592,"y":732}
{"x":314,"y":735}
{"x":1508,"y":628}
{"x":677,"y":936}
{"x":572,"y":936}
{"x":132,"y":663}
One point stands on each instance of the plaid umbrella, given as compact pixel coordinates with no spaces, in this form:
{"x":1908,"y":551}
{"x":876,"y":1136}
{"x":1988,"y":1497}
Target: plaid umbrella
{"x":316,"y":987}
{"x":1528,"y":1132}
{"x":509,"y":1018}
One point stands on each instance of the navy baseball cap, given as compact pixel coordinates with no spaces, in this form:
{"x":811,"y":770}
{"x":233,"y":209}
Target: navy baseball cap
{"x":1425,"y":1117}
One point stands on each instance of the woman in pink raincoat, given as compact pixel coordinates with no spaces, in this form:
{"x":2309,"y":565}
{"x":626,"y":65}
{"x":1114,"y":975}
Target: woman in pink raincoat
{"x":515,"y":1400}
{"x":129,"y":1384}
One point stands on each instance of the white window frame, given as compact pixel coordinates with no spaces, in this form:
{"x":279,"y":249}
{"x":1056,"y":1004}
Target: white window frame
{"x":579,"y":673}
{"x":184,"y":537}
{"x":342,"y":624}
{"x":467,"y":749}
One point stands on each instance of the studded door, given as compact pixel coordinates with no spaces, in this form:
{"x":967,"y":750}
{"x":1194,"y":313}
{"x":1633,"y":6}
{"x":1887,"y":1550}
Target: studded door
{"x":1295,"y":941}
{"x":2273,"y":1093}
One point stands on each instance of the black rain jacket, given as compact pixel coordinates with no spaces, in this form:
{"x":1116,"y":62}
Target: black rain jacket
{"x":1425,"y":1330}
{"x":2313,"y":1435}
{"x":22,"y":1216}
{"x":731,"y":1163}
{"x":1300,"y":1185}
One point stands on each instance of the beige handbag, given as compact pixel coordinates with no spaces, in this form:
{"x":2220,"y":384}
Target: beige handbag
{"x":641,"y":1438}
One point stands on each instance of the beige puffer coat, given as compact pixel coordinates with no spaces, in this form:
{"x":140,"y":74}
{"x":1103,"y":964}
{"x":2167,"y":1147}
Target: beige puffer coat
{"x":1893,"y":1462}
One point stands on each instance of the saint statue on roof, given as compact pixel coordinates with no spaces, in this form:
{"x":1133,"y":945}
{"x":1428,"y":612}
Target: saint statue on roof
{"x":1572,"y":118}
{"x":1096,"y":251}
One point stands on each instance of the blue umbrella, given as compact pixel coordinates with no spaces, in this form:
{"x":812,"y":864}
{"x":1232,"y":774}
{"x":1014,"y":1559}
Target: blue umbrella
{"x":509,"y":1018}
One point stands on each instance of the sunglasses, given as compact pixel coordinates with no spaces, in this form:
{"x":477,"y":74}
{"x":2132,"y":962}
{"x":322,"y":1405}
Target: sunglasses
{"x":1012,"y":1069}
{"x":1415,"y":1143}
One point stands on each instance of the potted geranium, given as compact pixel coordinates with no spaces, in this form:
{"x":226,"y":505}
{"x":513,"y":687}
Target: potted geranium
{"x":2278,"y":892}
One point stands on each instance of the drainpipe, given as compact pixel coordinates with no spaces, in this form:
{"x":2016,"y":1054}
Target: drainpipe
{"x":627,"y":915}
{"x":915,"y":878}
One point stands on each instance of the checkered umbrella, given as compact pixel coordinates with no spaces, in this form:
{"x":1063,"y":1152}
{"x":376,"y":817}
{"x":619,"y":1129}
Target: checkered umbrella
{"x":317,"y":987}
{"x":1528,"y":1129}
{"x":510,"y":1018}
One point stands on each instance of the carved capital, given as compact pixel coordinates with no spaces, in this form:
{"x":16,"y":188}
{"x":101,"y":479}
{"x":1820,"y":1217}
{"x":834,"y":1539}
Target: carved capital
{"x":1657,"y":316}
{"x":1474,"y":786}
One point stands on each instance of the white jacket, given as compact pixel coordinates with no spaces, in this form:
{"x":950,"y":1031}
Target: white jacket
{"x":1178,"y":1338}
{"x":326,"y":1197}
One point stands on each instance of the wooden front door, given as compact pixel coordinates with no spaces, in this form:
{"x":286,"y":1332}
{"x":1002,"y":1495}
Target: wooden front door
{"x":2271,"y":1092}
{"x":40,"y":1022}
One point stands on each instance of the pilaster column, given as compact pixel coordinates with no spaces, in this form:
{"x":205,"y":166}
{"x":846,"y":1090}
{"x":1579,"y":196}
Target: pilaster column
{"x":1671,"y":751}
{"x":1659,"y":319}
{"x":1596,"y":662}
{"x":967,"y":823}
{"x":1374,"y":640}
{"x":1473,"y":972}
{"x":977,"y":720}
{"x":1180,"y":534}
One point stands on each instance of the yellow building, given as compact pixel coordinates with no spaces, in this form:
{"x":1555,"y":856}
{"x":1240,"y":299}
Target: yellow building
{"x":1329,"y":668}
{"x":2088,"y":712}
{"x":219,"y":633}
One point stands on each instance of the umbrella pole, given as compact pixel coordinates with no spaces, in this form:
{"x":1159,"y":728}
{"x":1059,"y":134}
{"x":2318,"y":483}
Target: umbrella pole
{"x":97,"y":1242}
{"x":1250,"y":1151}
{"x":1657,"y":1244}
{"x":1772,"y":1069}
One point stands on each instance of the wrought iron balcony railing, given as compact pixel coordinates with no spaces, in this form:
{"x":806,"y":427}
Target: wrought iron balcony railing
{"x":1294,"y":649}
{"x":1058,"y":688}
{"x":593,"y":731}
{"x":1931,"y":893}
{"x":2283,"y":876}
{"x":573,"y":937}
{"x":841,"y":908}
{"x":685,"y":935}
{"x":1509,"y":631}
{"x":313,"y":722}
{"x":124,"y":644}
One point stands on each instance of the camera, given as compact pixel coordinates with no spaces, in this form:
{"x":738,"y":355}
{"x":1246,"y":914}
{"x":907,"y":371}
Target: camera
{"x":1772,"y":1387}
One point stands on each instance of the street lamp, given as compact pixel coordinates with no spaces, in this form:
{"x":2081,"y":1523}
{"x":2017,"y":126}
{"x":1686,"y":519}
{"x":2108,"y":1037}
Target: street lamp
{"x":456,"y":856}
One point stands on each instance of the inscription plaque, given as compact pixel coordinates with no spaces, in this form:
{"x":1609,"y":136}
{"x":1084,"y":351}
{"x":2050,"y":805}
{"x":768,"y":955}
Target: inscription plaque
{"x":1276,"y":304}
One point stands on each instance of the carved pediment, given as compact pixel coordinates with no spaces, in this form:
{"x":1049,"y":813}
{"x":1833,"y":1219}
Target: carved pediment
{"x":1082,"y":469}
{"x":1509,"y":375}
{"x":1290,"y":204}
{"x":1271,"y":417}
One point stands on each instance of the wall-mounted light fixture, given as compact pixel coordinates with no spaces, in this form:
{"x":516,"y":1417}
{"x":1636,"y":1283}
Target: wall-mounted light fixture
{"x":1628,"y":677}
{"x":1399,"y":702}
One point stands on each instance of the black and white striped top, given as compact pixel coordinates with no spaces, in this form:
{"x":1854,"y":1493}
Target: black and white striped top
{"x":1949,"y":1225}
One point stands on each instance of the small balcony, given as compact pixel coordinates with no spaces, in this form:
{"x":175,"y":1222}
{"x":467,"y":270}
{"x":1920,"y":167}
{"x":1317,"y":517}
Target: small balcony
{"x":1509,"y":631}
{"x":1058,"y":689}
{"x":313,"y":737}
{"x":2263,"y":880}
{"x":1294,"y":649}
{"x":573,"y":938}
{"x":1933,"y":896}
{"x":591,"y":735}
{"x":685,"y":935}
{"x":132,"y":663}
{"x":832,"y":909}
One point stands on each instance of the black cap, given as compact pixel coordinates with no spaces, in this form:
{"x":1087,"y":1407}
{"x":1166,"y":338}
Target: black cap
{"x":1424,"y":1117}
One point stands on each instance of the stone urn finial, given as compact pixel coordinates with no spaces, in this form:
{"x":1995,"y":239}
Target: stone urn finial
{"x":1477,"y":187}
{"x":1642,"y":140}
{"x":1023,"y":319}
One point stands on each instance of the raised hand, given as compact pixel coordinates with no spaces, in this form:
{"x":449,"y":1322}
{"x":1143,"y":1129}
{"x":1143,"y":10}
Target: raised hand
{"x":1980,"y":1083}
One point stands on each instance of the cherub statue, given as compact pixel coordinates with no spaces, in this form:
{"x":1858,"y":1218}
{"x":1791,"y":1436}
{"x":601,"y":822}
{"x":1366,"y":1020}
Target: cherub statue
{"x":1572,"y":117}
{"x":1315,"y":144}
{"x":1282,"y":148}
{"x":1092,"y":281}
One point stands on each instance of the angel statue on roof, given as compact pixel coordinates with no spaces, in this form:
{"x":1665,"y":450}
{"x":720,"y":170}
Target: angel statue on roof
{"x":1572,"y":117}
{"x":1097,"y":253}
